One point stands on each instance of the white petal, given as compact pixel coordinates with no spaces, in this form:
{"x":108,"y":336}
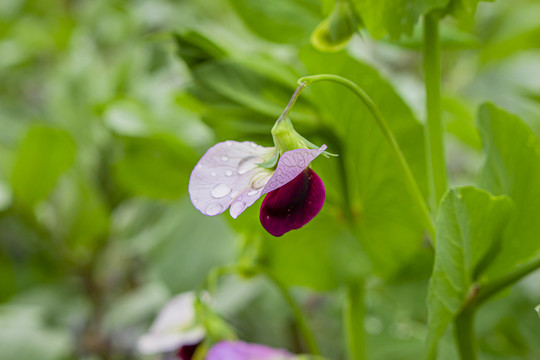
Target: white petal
{"x":160,"y":343}
{"x":228,"y":175}
{"x":290,"y":165}
{"x":173,"y":327}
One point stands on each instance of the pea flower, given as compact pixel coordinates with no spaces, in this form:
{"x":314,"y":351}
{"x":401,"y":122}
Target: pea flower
{"x":238,"y":350}
{"x":235,"y":174}
{"x":174,"y":330}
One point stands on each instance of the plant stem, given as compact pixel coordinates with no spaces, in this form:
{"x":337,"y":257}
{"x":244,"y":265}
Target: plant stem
{"x":410,"y":182}
{"x":464,"y":334}
{"x":306,"y":332}
{"x":432,"y":74}
{"x":464,"y":331}
{"x":492,"y":288}
{"x":354,"y":313}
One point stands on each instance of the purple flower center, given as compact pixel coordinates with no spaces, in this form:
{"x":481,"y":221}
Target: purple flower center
{"x":294,"y":204}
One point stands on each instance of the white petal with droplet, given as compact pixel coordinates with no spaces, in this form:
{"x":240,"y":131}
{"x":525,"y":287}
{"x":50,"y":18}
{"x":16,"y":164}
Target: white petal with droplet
{"x":229,"y":168}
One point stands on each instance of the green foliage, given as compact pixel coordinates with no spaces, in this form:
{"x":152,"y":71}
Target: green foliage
{"x":156,"y":167}
{"x":106,"y":106}
{"x":281,"y":21}
{"x":469,"y":228}
{"x":394,"y":17}
{"x":333,"y":33}
{"x":376,"y":191}
{"x":44,"y":154}
{"x":512,"y":167}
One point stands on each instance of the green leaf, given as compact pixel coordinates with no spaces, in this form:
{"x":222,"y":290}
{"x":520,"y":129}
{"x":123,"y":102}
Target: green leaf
{"x":157,"y":167}
{"x":44,"y":154}
{"x":388,"y":230}
{"x":393,"y":17}
{"x":280,"y":21}
{"x":322,"y":256}
{"x":512,"y":167}
{"x":469,"y":227}
{"x":194,"y":48}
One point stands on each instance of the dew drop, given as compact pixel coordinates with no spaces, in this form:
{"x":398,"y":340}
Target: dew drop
{"x":228,"y":173}
{"x":199,"y":166}
{"x":248,"y":163}
{"x":253,"y":192}
{"x":224,"y":158}
{"x":213,"y":209}
{"x":220,"y":191}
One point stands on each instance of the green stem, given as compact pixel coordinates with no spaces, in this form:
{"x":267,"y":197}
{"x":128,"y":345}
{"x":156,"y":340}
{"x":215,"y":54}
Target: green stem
{"x":410,"y":182}
{"x":354,"y":313}
{"x":432,"y":74}
{"x":464,"y":331}
{"x":306,"y":332}
{"x":492,"y":288}
{"x":464,"y":334}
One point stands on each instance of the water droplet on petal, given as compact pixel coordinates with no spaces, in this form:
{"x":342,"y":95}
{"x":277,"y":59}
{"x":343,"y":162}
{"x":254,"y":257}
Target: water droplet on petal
{"x":224,"y":158}
{"x":248,"y":163}
{"x":213,"y":209}
{"x":199,"y":166}
{"x":253,"y":192}
{"x":220,"y":191}
{"x":228,"y":173}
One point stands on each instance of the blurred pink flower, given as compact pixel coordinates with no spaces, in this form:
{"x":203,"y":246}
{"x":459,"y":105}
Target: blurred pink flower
{"x":229,"y":175}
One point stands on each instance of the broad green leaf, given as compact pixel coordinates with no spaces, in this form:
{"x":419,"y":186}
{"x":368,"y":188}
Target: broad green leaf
{"x":512,"y":167}
{"x":44,"y":154}
{"x":394,"y":17}
{"x":389,"y":230}
{"x":157,"y":167}
{"x":194,"y":48}
{"x":232,"y":82}
{"x":280,"y":21}
{"x":322,"y":255}
{"x":469,"y":228}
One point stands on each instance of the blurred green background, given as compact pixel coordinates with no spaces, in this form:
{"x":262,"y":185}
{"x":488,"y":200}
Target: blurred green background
{"x":106,"y":106}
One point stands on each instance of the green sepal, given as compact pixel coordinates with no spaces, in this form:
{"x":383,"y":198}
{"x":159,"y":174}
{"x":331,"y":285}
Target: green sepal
{"x":270,"y":164}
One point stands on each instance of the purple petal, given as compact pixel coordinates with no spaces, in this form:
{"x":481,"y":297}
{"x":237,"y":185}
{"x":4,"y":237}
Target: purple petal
{"x":294,"y":204}
{"x":238,"y":350}
{"x":228,"y":175}
{"x":290,"y":165}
